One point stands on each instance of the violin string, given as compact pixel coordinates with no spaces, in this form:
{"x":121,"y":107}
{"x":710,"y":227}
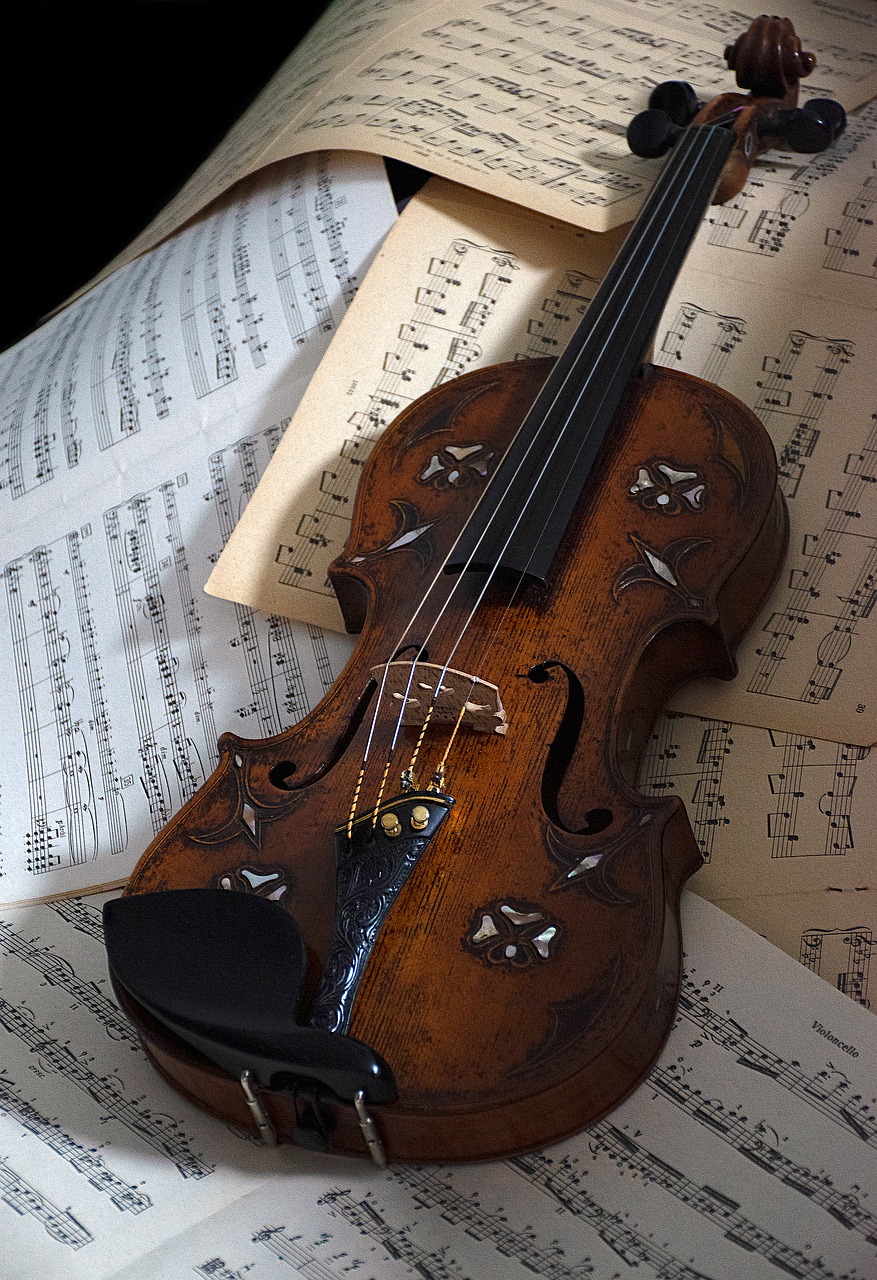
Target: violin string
{"x":657,"y":213}
{"x":513,"y":595}
{"x":489,"y":576}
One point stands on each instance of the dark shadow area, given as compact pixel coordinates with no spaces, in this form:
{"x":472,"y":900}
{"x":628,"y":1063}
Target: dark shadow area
{"x":106,"y":111}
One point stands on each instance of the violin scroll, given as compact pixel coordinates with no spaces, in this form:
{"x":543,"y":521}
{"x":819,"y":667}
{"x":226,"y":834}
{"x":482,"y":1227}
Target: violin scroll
{"x":768,"y":59}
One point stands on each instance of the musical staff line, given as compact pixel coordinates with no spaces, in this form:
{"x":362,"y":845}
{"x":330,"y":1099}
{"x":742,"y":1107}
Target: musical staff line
{"x":294,"y":260}
{"x":306,"y":1259}
{"x":436,"y":343}
{"x":245,"y":299}
{"x":561,"y":311}
{"x":155,"y":361}
{"x":760,"y":219}
{"x":20,"y":1196}
{"x":87,"y":1164}
{"x":160,"y":1132}
{"x":826,"y":1091}
{"x":67,"y":810}
{"x":615,"y":1230}
{"x":365,"y":1216}
{"x":273,"y":667}
{"x":123,"y":420}
{"x":804,"y":765}
{"x":800,"y":383}
{"x":56,"y":971}
{"x":846,"y":952}
{"x":752,"y":1140}
{"x":704,"y":340}
{"x":331,"y":226}
{"x":705,"y":798}
{"x":435,"y":1190}
{"x":81,"y":915}
{"x":836,"y":584}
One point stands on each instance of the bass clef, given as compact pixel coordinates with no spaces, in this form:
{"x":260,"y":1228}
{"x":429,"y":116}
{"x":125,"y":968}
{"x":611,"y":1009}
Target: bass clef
{"x":435,"y":920}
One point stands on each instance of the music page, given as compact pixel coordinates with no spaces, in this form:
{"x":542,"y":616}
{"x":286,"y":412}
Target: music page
{"x":461,"y":282}
{"x":750,"y":1149}
{"x":475,"y":282}
{"x":523,"y":99}
{"x":134,"y":427}
{"x":785,"y":824}
{"x":804,"y":365}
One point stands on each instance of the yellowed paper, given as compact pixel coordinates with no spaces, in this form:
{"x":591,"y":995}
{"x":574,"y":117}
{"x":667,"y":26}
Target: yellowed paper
{"x":833,"y":933}
{"x":805,"y":366}
{"x":786,"y":826}
{"x":523,"y":99}
{"x":462,"y":282}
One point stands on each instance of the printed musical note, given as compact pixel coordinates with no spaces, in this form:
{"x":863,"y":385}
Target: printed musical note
{"x":105,"y":622}
{"x":841,"y":955}
{"x":20,"y":1196}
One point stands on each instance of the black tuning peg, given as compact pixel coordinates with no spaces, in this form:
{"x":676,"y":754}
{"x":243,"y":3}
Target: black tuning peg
{"x":652,"y":133}
{"x":810,"y":128}
{"x":831,"y":112}
{"x":677,"y":99}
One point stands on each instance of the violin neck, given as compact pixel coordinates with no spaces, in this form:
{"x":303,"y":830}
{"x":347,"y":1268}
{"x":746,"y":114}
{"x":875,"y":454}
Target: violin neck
{"x":522,"y":516}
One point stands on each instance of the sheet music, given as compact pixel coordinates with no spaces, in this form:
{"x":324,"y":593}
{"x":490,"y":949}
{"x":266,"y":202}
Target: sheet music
{"x":785,"y":825}
{"x":750,"y":1149}
{"x":523,"y":99}
{"x":473,"y":282}
{"x":478,"y":282}
{"x":99,"y":1160}
{"x":133,"y":430}
{"x":805,"y":664}
{"x":802,"y":223}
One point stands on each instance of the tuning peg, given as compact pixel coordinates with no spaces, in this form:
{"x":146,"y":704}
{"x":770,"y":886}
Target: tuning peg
{"x":831,"y":112}
{"x":810,"y":128}
{"x":652,"y":133}
{"x":677,"y":99}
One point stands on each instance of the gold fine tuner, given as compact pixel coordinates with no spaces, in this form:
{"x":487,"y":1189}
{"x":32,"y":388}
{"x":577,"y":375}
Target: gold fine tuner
{"x":390,"y":825}
{"x":418,"y":818}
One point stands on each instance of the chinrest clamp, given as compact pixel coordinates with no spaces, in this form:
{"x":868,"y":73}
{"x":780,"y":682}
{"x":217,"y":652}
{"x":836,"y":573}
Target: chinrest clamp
{"x":262,"y":1120}
{"x":369,"y":1131}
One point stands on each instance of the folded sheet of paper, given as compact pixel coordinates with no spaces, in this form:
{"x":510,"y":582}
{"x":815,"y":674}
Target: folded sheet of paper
{"x":133,"y":428}
{"x":750,"y":1150}
{"x":524,"y":99}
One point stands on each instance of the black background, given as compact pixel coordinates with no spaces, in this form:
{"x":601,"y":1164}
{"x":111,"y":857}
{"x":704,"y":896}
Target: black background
{"x":106,"y":111}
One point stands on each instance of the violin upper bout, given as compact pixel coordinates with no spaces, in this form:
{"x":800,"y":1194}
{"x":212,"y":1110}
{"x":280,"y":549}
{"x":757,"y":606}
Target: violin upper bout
{"x":421,"y":481}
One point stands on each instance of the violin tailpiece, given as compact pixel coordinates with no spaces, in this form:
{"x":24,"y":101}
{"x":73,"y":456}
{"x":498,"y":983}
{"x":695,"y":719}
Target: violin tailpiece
{"x":374,"y":859}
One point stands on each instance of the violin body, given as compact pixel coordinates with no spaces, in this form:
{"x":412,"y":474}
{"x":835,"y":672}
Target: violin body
{"x":524,"y":975}
{"x":435,"y":920}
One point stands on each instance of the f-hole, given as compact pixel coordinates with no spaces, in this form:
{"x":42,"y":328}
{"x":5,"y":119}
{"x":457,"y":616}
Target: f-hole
{"x":561,"y":751}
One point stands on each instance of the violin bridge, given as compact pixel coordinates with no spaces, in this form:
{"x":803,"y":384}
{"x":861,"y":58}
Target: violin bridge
{"x":479,"y":699}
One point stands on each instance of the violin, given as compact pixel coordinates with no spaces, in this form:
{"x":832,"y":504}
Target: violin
{"x":435,"y":920}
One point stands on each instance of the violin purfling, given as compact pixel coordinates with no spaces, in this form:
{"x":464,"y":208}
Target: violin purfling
{"x":436,"y":920}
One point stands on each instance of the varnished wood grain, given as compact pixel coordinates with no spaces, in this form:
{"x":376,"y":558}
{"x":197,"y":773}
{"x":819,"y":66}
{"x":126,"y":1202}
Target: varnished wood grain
{"x":492,"y":1058}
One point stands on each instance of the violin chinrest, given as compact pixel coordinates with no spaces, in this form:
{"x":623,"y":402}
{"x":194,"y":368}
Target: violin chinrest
{"x":223,"y":972}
